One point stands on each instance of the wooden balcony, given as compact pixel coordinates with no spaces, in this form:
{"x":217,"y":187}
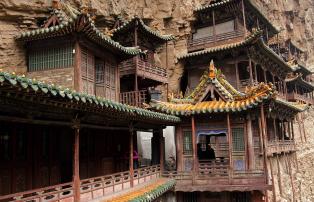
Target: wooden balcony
{"x":134,"y":98}
{"x":211,"y":41}
{"x":90,"y":189}
{"x":299,"y":97}
{"x":278,"y":147}
{"x":217,"y":178}
{"x":144,"y":69}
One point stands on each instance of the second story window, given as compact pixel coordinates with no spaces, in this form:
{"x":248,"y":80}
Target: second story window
{"x":187,"y":142}
{"x":98,"y":76}
{"x":48,"y":58}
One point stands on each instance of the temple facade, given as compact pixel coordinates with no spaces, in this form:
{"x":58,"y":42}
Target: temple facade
{"x":69,"y":123}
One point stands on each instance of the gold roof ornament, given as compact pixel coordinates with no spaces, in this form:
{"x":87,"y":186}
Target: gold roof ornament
{"x":212,"y":70}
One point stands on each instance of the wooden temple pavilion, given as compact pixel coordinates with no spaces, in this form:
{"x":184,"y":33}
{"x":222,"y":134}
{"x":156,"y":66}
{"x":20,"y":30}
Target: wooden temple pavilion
{"x":142,"y":73}
{"x":241,"y":127}
{"x":59,"y":144}
{"x":244,"y":108}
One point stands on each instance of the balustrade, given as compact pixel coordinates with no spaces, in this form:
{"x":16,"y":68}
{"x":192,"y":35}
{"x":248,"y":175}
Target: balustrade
{"x":144,"y":69}
{"x":134,"y":98}
{"x":298,"y":97}
{"x":277,"y":146}
{"x":203,"y":42}
{"x":90,"y":189}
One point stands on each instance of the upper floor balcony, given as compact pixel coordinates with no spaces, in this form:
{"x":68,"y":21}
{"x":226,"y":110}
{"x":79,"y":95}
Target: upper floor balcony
{"x":304,"y":98}
{"x":280,"y":146}
{"x":211,"y":40}
{"x":216,"y":176}
{"x":143,"y":68}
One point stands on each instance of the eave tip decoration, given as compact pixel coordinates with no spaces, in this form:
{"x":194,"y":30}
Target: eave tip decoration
{"x":212,"y":68}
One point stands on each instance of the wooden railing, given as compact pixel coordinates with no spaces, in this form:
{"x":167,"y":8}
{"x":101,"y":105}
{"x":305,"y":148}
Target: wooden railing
{"x":144,"y":69}
{"x":299,"y":97}
{"x":214,"y":167}
{"x":278,"y":146}
{"x":200,"y":42}
{"x":134,"y":98}
{"x":90,"y":188}
{"x":222,"y":173}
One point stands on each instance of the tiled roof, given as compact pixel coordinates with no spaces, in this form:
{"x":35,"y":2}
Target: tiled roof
{"x":219,"y":3}
{"x":131,"y":23}
{"x":252,"y":40}
{"x":222,"y":86}
{"x":298,"y":107}
{"x":147,"y":193}
{"x":70,"y":20}
{"x":69,"y":96}
{"x":297,"y":79}
{"x":300,"y":67}
{"x":236,"y":102}
{"x":229,"y":46}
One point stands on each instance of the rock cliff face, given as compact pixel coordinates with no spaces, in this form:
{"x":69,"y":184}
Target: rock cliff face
{"x":294,"y":17}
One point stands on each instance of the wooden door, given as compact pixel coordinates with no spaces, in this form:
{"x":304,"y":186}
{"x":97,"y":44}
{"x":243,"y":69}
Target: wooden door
{"x":15,"y":166}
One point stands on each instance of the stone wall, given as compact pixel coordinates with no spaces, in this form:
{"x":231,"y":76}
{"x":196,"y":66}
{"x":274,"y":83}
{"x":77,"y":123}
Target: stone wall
{"x":61,"y":77}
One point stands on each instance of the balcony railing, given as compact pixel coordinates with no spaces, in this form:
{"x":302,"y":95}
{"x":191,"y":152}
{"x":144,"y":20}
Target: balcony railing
{"x":277,"y":147}
{"x":205,"y":42}
{"x":299,"y":97}
{"x":90,"y":188}
{"x":134,"y":98}
{"x":144,"y":69}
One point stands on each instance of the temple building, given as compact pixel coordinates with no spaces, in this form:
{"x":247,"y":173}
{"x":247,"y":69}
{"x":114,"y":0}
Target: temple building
{"x":70,"y":122}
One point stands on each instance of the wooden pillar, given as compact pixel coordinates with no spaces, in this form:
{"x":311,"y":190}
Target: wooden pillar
{"x":275,"y":128}
{"x":251,"y":71}
{"x":292,"y":129}
{"x":230,"y":148}
{"x":179,"y":147}
{"x":194,"y":146}
{"x":264,"y":130}
{"x":304,"y":132}
{"x":162,"y":150}
{"x":273,"y":181}
{"x":237,"y":74}
{"x":136,"y":57}
{"x":265,"y":76}
{"x":244,"y":20}
{"x":167,"y":67}
{"x":291,"y":179}
{"x":250,"y":143}
{"x":76,"y":164}
{"x":279,"y":175}
{"x":77,"y":68}
{"x":255,"y":70}
{"x":131,"y":163}
{"x":300,"y":129}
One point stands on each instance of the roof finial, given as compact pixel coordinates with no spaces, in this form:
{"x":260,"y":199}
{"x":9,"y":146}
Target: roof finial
{"x":55,"y":4}
{"x":212,"y":73}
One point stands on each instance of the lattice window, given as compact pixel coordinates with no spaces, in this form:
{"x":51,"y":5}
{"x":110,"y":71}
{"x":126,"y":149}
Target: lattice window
{"x":50,"y":58}
{"x":88,"y":71}
{"x":187,"y":143}
{"x":238,"y":139}
{"x":105,"y":79}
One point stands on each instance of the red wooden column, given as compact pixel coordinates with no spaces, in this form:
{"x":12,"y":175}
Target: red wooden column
{"x":179,"y":146}
{"x":194,"y":146}
{"x":162,"y":150}
{"x":251,"y":71}
{"x":244,"y":20}
{"x":131,"y":168}
{"x":264,"y":132}
{"x":136,"y":57}
{"x":76,"y":163}
{"x":250,"y":143}
{"x":230,"y":147}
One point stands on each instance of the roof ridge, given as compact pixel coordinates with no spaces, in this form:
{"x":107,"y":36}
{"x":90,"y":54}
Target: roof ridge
{"x":70,"y":94}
